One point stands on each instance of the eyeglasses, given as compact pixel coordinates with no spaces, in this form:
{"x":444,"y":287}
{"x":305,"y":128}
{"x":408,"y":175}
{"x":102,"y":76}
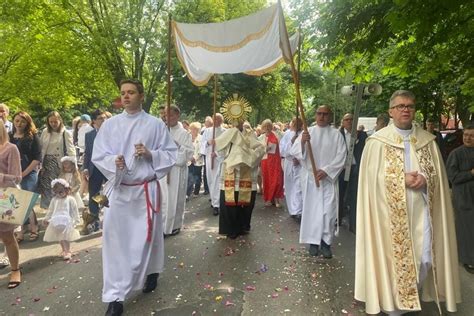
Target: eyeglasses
{"x":402,"y":107}
{"x":322,"y":113}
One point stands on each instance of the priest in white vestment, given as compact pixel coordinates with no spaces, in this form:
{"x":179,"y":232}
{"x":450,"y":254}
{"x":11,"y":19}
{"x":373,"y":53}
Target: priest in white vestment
{"x":320,"y":203}
{"x":292,"y":170}
{"x":174,"y":185}
{"x":405,"y":241}
{"x":213,"y":168}
{"x":133,"y":150}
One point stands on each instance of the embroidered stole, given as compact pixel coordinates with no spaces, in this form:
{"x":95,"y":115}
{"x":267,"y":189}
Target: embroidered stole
{"x":245,"y":186}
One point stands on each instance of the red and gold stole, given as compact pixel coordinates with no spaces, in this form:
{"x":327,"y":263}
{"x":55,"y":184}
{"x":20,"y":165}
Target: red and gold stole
{"x":245,"y":186}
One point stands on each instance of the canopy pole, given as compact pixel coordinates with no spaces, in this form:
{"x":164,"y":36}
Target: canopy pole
{"x":214,"y":121}
{"x":298,"y":95}
{"x":300,"y":41}
{"x":168,"y":80}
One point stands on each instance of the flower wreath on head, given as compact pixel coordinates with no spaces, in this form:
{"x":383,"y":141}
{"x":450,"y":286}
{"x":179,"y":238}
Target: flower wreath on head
{"x":69,"y":158}
{"x":235,"y":109}
{"x":60,"y":181}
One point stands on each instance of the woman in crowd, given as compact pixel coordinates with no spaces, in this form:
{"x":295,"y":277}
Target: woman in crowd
{"x":10,"y":176}
{"x":197,"y":161}
{"x":24,"y":136}
{"x":272,"y":172}
{"x":56,"y":143}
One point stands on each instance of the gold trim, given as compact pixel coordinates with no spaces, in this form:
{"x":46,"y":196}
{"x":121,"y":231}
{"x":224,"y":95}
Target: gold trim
{"x":221,"y":49}
{"x":426,"y":164}
{"x":186,"y":70}
{"x":265,"y":70}
{"x":403,"y":255}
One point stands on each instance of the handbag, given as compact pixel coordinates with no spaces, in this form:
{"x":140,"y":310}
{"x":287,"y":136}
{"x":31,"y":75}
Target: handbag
{"x":16,"y":205}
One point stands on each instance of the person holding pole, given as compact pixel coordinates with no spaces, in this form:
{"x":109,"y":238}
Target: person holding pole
{"x":213,"y":161}
{"x":320,"y":202}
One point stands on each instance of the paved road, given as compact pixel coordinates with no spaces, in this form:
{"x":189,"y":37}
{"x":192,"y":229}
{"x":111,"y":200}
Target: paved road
{"x":265,"y":273}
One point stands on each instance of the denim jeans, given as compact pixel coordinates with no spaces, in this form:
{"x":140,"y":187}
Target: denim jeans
{"x":30,"y":181}
{"x":194,"y":179}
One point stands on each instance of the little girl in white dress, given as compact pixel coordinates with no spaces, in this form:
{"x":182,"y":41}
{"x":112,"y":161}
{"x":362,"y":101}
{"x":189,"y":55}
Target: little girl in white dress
{"x":70,"y":173}
{"x":62,"y":217}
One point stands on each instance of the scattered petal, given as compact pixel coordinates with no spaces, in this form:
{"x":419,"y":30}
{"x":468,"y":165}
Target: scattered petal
{"x":229,"y":303}
{"x":218,"y":298}
{"x":250,"y":288}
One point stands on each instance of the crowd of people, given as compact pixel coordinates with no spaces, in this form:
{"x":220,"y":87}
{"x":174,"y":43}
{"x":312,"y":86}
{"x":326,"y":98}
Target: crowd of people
{"x":389,"y":186}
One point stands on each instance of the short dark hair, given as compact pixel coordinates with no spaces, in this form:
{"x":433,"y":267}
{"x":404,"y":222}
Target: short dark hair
{"x":137,"y":83}
{"x":470,"y":126}
{"x":430,"y":120}
{"x":96,"y":114}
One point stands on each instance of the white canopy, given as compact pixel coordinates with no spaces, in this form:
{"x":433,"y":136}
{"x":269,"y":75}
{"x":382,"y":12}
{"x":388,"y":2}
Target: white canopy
{"x":253,"y":44}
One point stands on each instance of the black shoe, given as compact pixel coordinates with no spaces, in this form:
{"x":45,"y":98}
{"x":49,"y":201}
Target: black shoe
{"x":150,"y":283}
{"x":206,"y":192}
{"x":326,"y":250}
{"x":469,"y":268}
{"x":233,"y":236}
{"x":314,"y":250}
{"x":114,"y":309}
{"x":175,"y":231}
{"x":216,"y":211}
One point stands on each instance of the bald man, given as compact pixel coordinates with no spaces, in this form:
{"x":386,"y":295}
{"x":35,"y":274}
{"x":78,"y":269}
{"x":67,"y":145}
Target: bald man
{"x":320,"y":201}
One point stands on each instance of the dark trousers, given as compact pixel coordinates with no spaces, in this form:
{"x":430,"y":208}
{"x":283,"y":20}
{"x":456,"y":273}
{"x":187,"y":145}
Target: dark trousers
{"x":348,"y":197}
{"x":204,"y":178}
{"x":95,"y":184}
{"x":194,"y":179}
{"x":234,"y":220}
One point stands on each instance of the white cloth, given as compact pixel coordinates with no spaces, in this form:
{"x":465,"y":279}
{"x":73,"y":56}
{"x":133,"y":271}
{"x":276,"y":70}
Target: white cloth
{"x":173,"y":194}
{"x":229,"y":47}
{"x":291,"y":176}
{"x":198,"y":157}
{"x":426,"y":258}
{"x":239,"y":148}
{"x":62,"y":216}
{"x":53,"y":144}
{"x":320,"y":205}
{"x":68,"y":176}
{"x":127,"y":256}
{"x":212,"y":174}
{"x":81,"y":136}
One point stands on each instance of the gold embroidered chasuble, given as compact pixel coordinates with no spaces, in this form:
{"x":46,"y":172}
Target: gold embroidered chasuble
{"x":390,"y":221}
{"x":243,"y":153}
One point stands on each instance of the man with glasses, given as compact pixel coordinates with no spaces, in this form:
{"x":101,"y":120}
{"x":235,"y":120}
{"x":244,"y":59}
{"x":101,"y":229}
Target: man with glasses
{"x":320,"y":195}
{"x":405,"y":241}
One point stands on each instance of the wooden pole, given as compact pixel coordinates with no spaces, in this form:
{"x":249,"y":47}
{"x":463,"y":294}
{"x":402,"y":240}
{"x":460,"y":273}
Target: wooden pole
{"x":300,"y":41}
{"x":298,"y":95}
{"x":168,"y":94}
{"x":214,"y":121}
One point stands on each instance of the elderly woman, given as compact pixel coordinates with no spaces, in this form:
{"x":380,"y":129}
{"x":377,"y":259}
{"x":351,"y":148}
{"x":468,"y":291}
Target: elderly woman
{"x":272,"y":172}
{"x":56,"y":143}
{"x":196,"y":163}
{"x":24,"y":136}
{"x":10,"y":176}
